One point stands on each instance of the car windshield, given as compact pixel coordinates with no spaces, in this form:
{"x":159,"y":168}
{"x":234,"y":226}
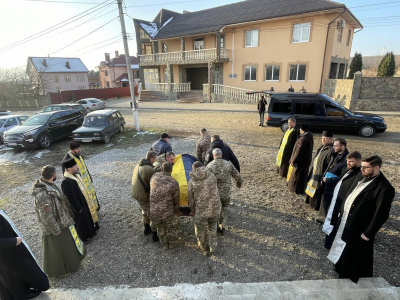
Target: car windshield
{"x":2,"y":121}
{"x":37,"y":120}
{"x":95,"y":121}
{"x":337,"y":104}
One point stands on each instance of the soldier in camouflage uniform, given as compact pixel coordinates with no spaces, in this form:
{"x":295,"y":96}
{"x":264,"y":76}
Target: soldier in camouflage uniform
{"x":205,"y":206}
{"x":202,"y":145}
{"x":164,"y":207}
{"x":162,"y":158}
{"x":223,"y":171}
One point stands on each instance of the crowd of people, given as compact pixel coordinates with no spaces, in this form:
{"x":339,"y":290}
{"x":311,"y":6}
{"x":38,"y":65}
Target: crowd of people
{"x":352,"y":195}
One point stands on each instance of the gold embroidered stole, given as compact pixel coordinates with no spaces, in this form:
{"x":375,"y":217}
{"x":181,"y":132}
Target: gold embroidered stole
{"x":310,"y":190}
{"x":91,"y":204}
{"x":86,"y":177}
{"x":282,"y":147}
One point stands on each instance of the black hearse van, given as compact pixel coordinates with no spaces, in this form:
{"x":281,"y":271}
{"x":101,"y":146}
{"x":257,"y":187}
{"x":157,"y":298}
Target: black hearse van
{"x":320,"y":113}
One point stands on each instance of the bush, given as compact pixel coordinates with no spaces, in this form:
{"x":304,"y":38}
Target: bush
{"x":387,"y":66}
{"x":356,"y":65}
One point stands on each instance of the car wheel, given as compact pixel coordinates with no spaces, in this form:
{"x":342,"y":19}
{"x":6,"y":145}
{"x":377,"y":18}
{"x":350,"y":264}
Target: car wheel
{"x":121,"y":129}
{"x":88,"y":109}
{"x":106,"y":139}
{"x":367,"y":130}
{"x":284,"y":126}
{"x":44,"y":141}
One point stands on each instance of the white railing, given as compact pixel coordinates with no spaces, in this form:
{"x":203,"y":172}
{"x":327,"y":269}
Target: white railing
{"x":231,"y":92}
{"x":174,"y":87}
{"x":193,"y":55}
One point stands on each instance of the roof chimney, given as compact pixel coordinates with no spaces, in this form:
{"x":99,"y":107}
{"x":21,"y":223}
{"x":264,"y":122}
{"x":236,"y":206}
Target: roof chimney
{"x":44,"y":63}
{"x":67,"y":65}
{"x":107,"y":56}
{"x":116,"y":54}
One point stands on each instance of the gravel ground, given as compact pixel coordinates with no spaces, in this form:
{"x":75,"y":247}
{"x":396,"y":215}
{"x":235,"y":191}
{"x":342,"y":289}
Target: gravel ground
{"x":270,"y":237}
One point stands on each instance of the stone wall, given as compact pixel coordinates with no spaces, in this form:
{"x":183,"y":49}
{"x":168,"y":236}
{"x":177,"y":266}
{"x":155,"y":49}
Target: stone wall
{"x":380,"y":88}
{"x":25,"y":103}
{"x":339,"y":90}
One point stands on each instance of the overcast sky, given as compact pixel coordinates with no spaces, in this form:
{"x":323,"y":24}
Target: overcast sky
{"x":40,"y":27}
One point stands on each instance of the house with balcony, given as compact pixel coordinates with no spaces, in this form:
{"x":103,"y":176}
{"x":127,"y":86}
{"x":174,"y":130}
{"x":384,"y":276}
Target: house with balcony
{"x":56,"y":74}
{"x":249,"y":45}
{"x":114,"y":73}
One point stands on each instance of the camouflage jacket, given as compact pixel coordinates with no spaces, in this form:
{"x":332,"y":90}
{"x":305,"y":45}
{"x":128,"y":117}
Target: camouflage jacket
{"x":203,"y":193}
{"x":164,"y":196}
{"x":52,"y":209}
{"x":202,"y":146}
{"x":158,"y":163}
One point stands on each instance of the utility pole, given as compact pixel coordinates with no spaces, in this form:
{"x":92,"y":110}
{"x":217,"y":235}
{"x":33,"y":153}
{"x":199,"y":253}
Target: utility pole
{"x":134,"y":104}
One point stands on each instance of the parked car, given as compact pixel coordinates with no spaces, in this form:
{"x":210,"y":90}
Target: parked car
{"x":5,"y":112}
{"x":92,"y":104}
{"x":320,"y":112}
{"x":100,"y":126}
{"x":42,"y":129}
{"x":64,"y":106}
{"x":10,"y":121}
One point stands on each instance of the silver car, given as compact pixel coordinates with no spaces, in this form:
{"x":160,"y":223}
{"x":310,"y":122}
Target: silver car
{"x":92,"y":104}
{"x":10,"y":121}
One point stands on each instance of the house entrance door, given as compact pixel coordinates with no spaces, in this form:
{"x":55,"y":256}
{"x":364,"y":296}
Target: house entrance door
{"x":150,"y":77}
{"x":197,"y":77}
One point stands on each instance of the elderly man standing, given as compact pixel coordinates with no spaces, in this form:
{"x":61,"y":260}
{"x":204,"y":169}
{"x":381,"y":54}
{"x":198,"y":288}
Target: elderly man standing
{"x":140,"y":191}
{"x":74,"y":189}
{"x":162,"y":158}
{"x":223,"y":171}
{"x":315,"y":185}
{"x":76,"y":153}
{"x":365,"y":210}
{"x":162,"y":146}
{"x":300,"y":161}
{"x":202,"y":145}
{"x":205,"y":206}
{"x":164,"y":207}
{"x":286,"y":148}
{"x":63,"y":249}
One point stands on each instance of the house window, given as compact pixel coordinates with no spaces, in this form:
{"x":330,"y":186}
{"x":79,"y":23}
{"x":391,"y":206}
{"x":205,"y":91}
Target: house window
{"x":165,"y":48}
{"x":58,"y":89}
{"x":348,"y":38}
{"x":250,"y":73}
{"x":108,"y":84}
{"x":252,"y":38}
{"x":222,"y":41}
{"x":146,"y":48}
{"x":199,"y":44}
{"x":301,"y":32}
{"x":67,"y":78}
{"x":272,"y":72}
{"x":82,"y":87}
{"x":106,"y":73}
{"x":339,"y":27}
{"x":297,"y":72}
{"x":80,"y":78}
{"x":56,"y":78}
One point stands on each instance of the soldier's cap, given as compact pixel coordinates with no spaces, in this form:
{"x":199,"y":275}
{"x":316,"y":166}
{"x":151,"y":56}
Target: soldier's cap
{"x":74,"y":144}
{"x":165,"y":135}
{"x":327,"y":134}
{"x":68,"y":163}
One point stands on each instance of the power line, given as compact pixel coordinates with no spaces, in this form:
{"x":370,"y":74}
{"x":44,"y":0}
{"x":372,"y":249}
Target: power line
{"x":84,"y":36}
{"x":52,"y":28}
{"x":66,"y":2}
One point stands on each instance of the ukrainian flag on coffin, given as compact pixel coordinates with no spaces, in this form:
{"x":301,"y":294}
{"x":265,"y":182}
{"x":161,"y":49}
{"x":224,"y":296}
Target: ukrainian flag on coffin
{"x":180,"y":172}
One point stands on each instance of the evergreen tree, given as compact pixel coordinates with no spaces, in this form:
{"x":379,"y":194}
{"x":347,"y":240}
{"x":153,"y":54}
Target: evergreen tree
{"x":387,"y":66}
{"x":356,"y":65}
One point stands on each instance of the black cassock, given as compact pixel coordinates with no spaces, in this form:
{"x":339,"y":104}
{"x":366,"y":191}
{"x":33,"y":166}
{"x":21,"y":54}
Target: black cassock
{"x":20,"y":275}
{"x":83,"y":219}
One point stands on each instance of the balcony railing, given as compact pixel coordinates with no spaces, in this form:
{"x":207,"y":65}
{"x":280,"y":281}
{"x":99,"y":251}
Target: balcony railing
{"x":225,"y":92}
{"x":194,"y":56}
{"x":173,"y":87}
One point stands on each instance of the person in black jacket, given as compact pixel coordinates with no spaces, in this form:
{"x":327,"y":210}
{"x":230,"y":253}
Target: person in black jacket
{"x":261,"y":109}
{"x":20,"y":275}
{"x":336,"y":167}
{"x":363,"y":213}
{"x":227,"y":152}
{"x":339,"y":193}
{"x":162,"y":146}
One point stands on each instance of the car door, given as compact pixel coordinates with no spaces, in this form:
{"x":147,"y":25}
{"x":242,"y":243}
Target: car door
{"x":56,"y":126}
{"x":338,"y":119}
{"x":113,"y":124}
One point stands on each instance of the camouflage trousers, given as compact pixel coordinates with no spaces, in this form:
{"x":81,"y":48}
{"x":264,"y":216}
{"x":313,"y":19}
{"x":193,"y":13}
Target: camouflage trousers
{"x":145,"y":206}
{"x":206,"y":232}
{"x":225,"y":200}
{"x":169,"y":231}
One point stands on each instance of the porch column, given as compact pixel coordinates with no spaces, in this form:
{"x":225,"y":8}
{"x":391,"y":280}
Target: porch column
{"x":218,"y":45}
{"x":169,"y":75}
{"x":183,"y":48}
{"x":155,"y":49}
{"x":210,"y":81}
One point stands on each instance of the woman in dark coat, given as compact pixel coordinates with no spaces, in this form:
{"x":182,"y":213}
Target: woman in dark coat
{"x":300,"y":161}
{"x":20,"y":275}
